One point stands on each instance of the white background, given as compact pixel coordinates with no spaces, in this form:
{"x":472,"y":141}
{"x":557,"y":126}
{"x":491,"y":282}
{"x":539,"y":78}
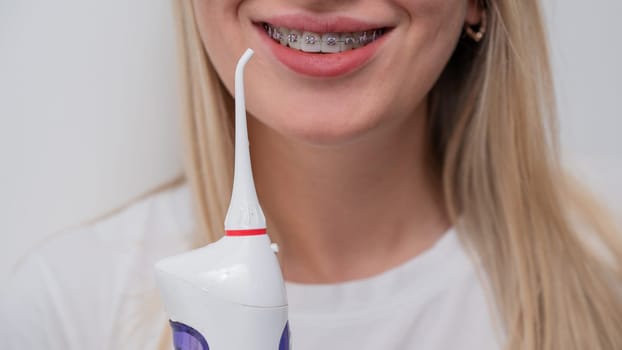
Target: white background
{"x":88,"y":118}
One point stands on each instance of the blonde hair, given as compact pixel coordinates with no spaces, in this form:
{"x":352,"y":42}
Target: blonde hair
{"x":495,"y":138}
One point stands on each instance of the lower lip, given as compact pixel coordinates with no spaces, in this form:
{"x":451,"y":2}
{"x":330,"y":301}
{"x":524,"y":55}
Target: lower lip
{"x":321,"y":65}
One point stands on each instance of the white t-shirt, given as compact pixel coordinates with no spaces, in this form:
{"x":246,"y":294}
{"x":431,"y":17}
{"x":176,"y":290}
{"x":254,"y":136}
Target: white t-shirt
{"x":93,"y":288}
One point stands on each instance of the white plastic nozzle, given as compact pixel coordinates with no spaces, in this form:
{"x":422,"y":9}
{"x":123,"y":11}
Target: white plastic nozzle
{"x":244,"y":210}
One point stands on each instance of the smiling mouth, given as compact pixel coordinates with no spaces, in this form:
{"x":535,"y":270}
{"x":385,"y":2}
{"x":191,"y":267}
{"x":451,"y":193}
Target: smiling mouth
{"x":322,"y":43}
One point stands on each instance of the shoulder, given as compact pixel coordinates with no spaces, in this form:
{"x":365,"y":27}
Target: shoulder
{"x":95,"y":275}
{"x":146,"y":229}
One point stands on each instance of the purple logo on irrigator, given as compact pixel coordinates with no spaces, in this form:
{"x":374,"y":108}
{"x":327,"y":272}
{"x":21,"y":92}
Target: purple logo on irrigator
{"x":284,"y":343}
{"x":187,"y":338}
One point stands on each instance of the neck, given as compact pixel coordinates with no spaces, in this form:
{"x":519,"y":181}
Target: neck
{"x":352,"y":210}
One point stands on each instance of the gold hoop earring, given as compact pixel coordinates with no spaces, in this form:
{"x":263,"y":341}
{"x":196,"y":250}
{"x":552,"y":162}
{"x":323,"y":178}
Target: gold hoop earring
{"x":481,"y":31}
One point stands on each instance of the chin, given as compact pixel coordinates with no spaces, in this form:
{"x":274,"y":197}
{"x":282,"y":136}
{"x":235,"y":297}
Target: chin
{"x":327,"y":130}
{"x":324,"y":137}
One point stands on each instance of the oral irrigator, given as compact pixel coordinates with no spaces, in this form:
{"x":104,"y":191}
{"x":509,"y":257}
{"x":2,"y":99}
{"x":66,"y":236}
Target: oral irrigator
{"x":229,"y":295}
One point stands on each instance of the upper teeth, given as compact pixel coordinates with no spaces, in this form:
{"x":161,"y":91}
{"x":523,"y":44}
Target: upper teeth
{"x":326,"y":42}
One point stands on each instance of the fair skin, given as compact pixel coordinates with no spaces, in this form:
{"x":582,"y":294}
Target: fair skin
{"x":342,"y":164}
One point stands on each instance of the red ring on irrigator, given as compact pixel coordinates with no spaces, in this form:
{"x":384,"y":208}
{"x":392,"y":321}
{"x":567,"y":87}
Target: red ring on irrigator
{"x":252,"y":232}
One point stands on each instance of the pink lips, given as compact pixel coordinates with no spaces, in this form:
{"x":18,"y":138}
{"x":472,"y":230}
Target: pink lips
{"x":321,"y":65}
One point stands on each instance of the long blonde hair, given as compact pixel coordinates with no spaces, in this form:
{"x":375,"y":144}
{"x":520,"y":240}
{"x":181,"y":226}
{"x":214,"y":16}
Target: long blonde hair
{"x":495,"y":137}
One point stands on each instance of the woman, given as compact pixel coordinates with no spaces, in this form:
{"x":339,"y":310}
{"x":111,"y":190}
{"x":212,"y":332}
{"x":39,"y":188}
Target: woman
{"x":413,"y":186}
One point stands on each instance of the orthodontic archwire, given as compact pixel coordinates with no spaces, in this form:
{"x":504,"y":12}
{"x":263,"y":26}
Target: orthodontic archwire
{"x":365,"y":37}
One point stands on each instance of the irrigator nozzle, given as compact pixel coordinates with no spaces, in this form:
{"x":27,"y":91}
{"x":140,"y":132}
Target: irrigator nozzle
{"x":244,"y":216}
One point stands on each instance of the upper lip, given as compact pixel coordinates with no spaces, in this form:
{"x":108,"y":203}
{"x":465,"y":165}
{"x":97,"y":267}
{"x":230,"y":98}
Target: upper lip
{"x":322,"y":24}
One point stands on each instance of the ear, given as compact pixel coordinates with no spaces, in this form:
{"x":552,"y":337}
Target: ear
{"x":474,"y":12}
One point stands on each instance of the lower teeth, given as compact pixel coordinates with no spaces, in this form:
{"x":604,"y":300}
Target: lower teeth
{"x":322,"y":43}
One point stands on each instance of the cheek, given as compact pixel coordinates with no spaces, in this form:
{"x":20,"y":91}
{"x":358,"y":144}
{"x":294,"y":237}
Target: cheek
{"x":435,"y":26}
{"x":218,"y":26}
{"x":429,"y":41}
